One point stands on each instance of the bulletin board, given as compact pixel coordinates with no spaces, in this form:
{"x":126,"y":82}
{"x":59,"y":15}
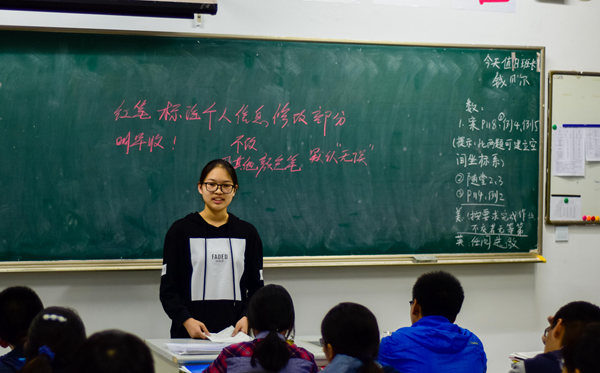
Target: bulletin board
{"x":573,"y":167}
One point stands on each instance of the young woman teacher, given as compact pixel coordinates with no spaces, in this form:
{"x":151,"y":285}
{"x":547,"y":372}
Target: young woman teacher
{"x":212,"y":262}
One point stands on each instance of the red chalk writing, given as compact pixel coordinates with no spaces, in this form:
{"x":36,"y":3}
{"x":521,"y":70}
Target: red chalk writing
{"x":121,"y":113}
{"x":192,"y":113}
{"x":338,"y":156}
{"x":209,"y":112}
{"x":247,"y":143}
{"x":300,"y":117}
{"x":281,"y":112}
{"x":170,"y":112}
{"x":139,"y":141}
{"x":242,"y":114}
{"x":282,"y":115}
{"x":258,"y":117}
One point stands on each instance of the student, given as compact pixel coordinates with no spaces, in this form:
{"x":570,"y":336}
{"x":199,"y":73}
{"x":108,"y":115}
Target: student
{"x":212,"y":262}
{"x":271,"y":318}
{"x":434,"y":343}
{"x":565,"y":325}
{"x":351,"y":340}
{"x":18,"y":307}
{"x":54,"y":336}
{"x":113,"y":351}
{"x":582,"y":354}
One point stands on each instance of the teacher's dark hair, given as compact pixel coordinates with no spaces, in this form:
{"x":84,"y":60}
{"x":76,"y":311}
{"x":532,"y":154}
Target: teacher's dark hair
{"x":54,"y":337}
{"x":113,"y":351}
{"x":271,"y":309}
{"x":351,"y":329}
{"x":219,"y":163}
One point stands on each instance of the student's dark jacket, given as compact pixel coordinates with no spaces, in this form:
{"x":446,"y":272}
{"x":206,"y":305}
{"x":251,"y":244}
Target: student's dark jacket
{"x":12,"y":361}
{"x":544,"y":363}
{"x":175,"y":285}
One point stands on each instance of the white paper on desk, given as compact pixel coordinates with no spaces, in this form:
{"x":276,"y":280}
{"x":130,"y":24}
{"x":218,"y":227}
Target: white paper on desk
{"x":561,"y":210}
{"x":224,"y":336}
{"x":200,"y":348}
{"x":592,"y":144}
{"x":568,"y":148}
{"x":524,"y":355}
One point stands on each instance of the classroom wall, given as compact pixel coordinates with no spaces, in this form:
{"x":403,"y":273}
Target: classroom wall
{"x":506,"y":305}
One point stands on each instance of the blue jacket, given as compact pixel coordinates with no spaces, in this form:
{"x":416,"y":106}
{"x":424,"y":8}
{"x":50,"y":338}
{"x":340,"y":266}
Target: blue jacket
{"x":12,"y":361}
{"x":433,"y":345}
{"x":348,"y":364}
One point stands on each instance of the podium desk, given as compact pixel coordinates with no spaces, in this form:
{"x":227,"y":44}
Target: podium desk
{"x":166,"y":361}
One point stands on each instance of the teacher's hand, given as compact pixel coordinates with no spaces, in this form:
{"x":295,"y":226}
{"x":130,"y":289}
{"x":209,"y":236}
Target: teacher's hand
{"x":241,"y":326}
{"x":195,"y":328}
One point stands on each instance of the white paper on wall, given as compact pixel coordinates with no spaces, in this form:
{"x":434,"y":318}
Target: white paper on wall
{"x":592,"y":144}
{"x":568,"y":152}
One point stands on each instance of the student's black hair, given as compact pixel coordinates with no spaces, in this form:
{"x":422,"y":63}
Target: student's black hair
{"x":575,"y":316}
{"x":271,"y":309}
{"x":582,"y":353}
{"x":351,"y":329}
{"x":439,"y":294}
{"x":218,"y":163}
{"x":18,"y":307}
{"x":113,"y":351}
{"x":54,"y":336}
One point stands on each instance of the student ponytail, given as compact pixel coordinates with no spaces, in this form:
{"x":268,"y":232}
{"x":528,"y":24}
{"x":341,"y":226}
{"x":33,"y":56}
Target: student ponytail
{"x":54,"y":335}
{"x":351,"y":329}
{"x":370,"y":366}
{"x":272,"y":353}
{"x":271,"y":310}
{"x":40,"y":364}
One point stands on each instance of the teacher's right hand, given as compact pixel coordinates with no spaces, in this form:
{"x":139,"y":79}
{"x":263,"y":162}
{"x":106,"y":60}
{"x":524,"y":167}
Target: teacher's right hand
{"x":195,"y":328}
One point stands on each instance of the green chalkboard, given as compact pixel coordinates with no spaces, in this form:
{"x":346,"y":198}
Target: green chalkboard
{"x":340,"y":148}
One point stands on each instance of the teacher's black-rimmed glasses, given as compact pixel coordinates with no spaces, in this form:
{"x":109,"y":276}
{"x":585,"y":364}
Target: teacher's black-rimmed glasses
{"x":225,"y":188}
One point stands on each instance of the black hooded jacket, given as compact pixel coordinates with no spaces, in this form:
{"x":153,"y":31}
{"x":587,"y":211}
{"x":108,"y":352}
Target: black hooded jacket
{"x":201,"y":264}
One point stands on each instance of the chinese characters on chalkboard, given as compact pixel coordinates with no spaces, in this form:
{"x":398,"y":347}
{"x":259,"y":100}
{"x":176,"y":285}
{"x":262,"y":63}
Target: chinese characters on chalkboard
{"x":244,"y":145}
{"x":481,"y":213}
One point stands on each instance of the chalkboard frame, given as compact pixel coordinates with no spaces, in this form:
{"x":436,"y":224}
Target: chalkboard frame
{"x":533,"y":256}
{"x":549,"y":176}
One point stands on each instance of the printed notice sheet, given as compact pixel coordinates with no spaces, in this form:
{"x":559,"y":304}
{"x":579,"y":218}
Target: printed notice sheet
{"x":200,"y":348}
{"x":592,"y":144}
{"x":568,"y":148}
{"x":565,"y":207}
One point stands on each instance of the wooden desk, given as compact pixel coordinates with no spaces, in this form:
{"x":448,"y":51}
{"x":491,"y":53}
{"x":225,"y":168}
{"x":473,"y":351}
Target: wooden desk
{"x":167,"y":362}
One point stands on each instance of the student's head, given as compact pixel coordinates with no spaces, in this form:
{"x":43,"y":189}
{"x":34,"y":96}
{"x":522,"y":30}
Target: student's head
{"x":113,"y":351}
{"x":54,"y":336}
{"x":271,"y":310}
{"x":18,"y":307}
{"x":218,"y":184}
{"x":568,"y":322}
{"x":436,"y":294}
{"x":351,"y":329}
{"x":581,"y":355}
